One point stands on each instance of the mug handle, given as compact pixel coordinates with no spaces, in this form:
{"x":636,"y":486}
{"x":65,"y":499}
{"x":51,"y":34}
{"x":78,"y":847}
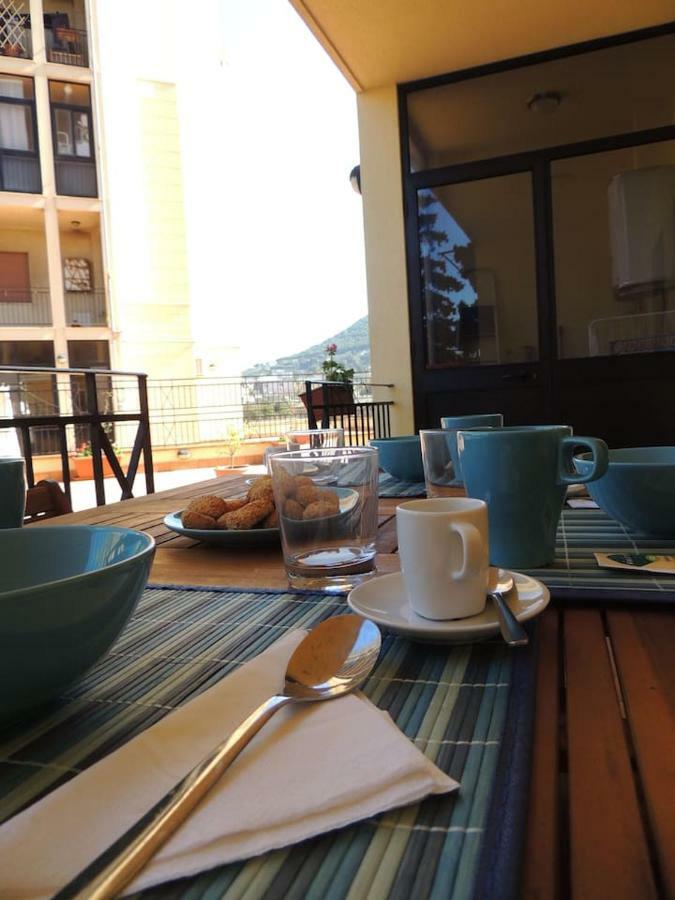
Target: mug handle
{"x":600,"y":460}
{"x":472,"y":549}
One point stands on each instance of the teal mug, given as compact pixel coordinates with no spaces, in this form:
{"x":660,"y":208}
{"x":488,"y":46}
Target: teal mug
{"x":12,"y":492}
{"x":522,"y":474}
{"x":453,"y":424}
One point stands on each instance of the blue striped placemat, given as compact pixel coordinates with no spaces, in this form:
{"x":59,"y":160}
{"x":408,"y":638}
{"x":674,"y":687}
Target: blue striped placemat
{"x":575,"y":574}
{"x":468,"y":708}
{"x":392,"y":487}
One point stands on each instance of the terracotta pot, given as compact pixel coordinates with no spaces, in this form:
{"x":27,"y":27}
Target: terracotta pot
{"x":336,"y":396}
{"x":84,"y":467}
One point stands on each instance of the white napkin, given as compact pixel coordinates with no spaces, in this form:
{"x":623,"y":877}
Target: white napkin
{"x":312,"y":768}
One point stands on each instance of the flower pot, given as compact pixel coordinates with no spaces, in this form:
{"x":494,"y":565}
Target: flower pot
{"x":84,"y":467}
{"x":339,"y":395}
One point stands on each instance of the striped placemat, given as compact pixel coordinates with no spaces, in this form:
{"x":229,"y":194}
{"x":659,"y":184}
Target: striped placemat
{"x":393,"y":487}
{"x":575,"y":574}
{"x":468,"y":708}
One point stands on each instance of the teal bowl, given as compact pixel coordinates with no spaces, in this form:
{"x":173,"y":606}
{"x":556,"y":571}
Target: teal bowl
{"x":638,"y":488}
{"x":401,"y":456}
{"x":66,"y":594}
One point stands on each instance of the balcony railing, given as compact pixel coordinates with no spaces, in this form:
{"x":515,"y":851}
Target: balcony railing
{"x":75,"y":178}
{"x":24,"y":307}
{"x":16,"y":38}
{"x":67,"y":46}
{"x":86,"y":308}
{"x":19,"y":172}
{"x":58,"y":410}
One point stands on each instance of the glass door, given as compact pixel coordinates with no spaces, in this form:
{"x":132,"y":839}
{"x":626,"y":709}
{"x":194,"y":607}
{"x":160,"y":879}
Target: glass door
{"x":478,"y":297}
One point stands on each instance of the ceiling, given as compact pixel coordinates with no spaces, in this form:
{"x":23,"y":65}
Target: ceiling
{"x":381,"y":42}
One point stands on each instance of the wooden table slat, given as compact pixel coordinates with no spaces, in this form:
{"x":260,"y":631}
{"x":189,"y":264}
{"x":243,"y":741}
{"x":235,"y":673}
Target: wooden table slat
{"x":645,"y":661}
{"x":608,"y":850}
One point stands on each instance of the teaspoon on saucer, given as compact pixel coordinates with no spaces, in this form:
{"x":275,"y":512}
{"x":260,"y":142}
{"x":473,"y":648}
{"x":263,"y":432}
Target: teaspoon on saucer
{"x":511,"y":630}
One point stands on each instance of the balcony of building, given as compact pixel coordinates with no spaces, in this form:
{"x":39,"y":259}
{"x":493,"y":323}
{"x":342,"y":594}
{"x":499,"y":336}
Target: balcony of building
{"x":19,"y":155}
{"x":66,"y":39}
{"x":15,"y":31}
{"x":73,"y":139}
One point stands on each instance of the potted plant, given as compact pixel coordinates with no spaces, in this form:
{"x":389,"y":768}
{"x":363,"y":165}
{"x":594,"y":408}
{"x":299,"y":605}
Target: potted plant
{"x":339,"y":390}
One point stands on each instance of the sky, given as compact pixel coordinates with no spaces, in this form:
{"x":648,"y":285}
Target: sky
{"x":287,"y":228}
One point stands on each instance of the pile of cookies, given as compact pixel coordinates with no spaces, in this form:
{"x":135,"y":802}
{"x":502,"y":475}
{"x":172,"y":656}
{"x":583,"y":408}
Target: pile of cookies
{"x":303,"y":499}
{"x":255,"y":510}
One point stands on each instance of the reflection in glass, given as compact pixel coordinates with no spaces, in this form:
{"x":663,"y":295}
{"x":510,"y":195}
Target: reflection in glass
{"x":476,"y":248}
{"x":614,"y":244}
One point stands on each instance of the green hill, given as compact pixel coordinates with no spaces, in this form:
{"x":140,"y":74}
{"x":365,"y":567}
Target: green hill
{"x":353,"y":352}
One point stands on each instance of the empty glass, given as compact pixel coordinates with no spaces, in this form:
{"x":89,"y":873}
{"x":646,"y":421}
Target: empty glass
{"x":315,"y":439}
{"x":439,"y":449}
{"x":328,"y":531}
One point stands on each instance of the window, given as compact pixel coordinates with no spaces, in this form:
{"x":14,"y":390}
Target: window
{"x":19,"y":164}
{"x":73,"y":139}
{"x":14,"y":278}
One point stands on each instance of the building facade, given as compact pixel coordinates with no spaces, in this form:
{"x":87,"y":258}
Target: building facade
{"x":94,"y":267}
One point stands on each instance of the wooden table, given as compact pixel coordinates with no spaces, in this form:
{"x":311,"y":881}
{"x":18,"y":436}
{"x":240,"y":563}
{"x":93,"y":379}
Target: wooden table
{"x":602,"y":797}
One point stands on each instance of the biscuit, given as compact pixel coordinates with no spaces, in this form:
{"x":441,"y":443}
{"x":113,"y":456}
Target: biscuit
{"x":292,"y":509}
{"x":192,"y":519}
{"x":272,"y":520}
{"x":261,"y":489}
{"x":306,"y":494}
{"x":284,"y":483}
{"x":330,"y":497}
{"x":207,"y":506}
{"x":318,"y":510}
{"x":247,"y":516}
{"x":236,"y":503}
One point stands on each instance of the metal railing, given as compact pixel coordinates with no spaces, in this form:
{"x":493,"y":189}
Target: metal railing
{"x":86,"y":308}
{"x":332,"y":405}
{"x":16,"y":38}
{"x":67,"y":46}
{"x":79,"y":410}
{"x":75,"y":178}
{"x":25,"y":307}
{"x":20,"y":172}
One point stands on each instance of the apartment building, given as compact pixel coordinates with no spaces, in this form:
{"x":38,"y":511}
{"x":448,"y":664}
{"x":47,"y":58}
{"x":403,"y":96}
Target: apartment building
{"x":93,"y":248}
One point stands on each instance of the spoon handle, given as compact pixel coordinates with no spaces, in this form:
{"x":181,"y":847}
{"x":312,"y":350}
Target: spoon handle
{"x":97,"y":883}
{"x":512,"y":631}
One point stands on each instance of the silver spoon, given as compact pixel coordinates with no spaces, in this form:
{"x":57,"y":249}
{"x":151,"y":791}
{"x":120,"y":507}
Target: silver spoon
{"x":512,"y":631}
{"x":332,"y":660}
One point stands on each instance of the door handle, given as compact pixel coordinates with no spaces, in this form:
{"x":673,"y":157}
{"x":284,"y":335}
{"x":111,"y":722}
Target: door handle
{"x":520,"y":377}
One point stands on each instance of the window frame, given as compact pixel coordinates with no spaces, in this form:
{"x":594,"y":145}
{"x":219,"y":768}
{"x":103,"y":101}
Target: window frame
{"x":23,"y":154}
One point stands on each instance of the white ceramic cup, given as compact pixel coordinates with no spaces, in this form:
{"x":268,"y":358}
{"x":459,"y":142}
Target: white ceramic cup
{"x":443,"y":545}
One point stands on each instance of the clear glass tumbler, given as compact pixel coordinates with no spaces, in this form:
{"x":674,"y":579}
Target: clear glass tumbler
{"x":315,"y":439}
{"x":439,"y":452}
{"x":327,"y":502}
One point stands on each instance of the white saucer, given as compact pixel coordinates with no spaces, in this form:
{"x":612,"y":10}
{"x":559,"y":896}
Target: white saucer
{"x":384,"y":601}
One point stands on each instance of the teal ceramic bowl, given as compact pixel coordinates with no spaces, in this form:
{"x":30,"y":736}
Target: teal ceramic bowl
{"x":66,"y":593}
{"x":638,"y":488}
{"x":401,"y":457}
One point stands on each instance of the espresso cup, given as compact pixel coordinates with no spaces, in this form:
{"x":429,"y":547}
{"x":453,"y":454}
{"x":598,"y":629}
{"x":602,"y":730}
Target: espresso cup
{"x":453,"y":424}
{"x":12,"y":492}
{"x":522,"y":473}
{"x":443,"y":547}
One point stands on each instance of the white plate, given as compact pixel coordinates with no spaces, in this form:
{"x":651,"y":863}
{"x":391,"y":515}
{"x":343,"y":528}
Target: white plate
{"x":384,"y":601}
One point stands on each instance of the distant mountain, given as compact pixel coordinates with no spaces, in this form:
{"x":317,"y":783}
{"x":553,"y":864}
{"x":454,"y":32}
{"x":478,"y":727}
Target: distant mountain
{"x":353,"y":352}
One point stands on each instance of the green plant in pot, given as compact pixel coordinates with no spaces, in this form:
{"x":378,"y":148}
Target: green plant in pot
{"x":339,"y":390}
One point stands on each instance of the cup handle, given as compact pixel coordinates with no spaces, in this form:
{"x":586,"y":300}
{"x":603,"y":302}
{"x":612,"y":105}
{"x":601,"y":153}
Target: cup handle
{"x":472,"y":549}
{"x":600,"y":461}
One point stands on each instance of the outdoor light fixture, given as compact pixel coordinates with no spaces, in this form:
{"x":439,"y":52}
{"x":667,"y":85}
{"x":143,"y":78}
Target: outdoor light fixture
{"x":75,"y":224}
{"x":544,"y":102}
{"x":355,"y":178}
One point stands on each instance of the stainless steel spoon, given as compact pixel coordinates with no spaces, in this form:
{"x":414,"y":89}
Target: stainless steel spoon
{"x":333,"y":659}
{"x":512,"y":631}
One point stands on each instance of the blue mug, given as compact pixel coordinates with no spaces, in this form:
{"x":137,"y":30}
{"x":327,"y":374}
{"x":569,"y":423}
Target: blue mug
{"x":522,"y":474}
{"x":453,"y":424}
{"x":12,"y":492}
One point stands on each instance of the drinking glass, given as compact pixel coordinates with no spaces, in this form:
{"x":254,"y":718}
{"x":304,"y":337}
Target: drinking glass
{"x":315,"y":439}
{"x":327,"y":532}
{"x":438,"y":450}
